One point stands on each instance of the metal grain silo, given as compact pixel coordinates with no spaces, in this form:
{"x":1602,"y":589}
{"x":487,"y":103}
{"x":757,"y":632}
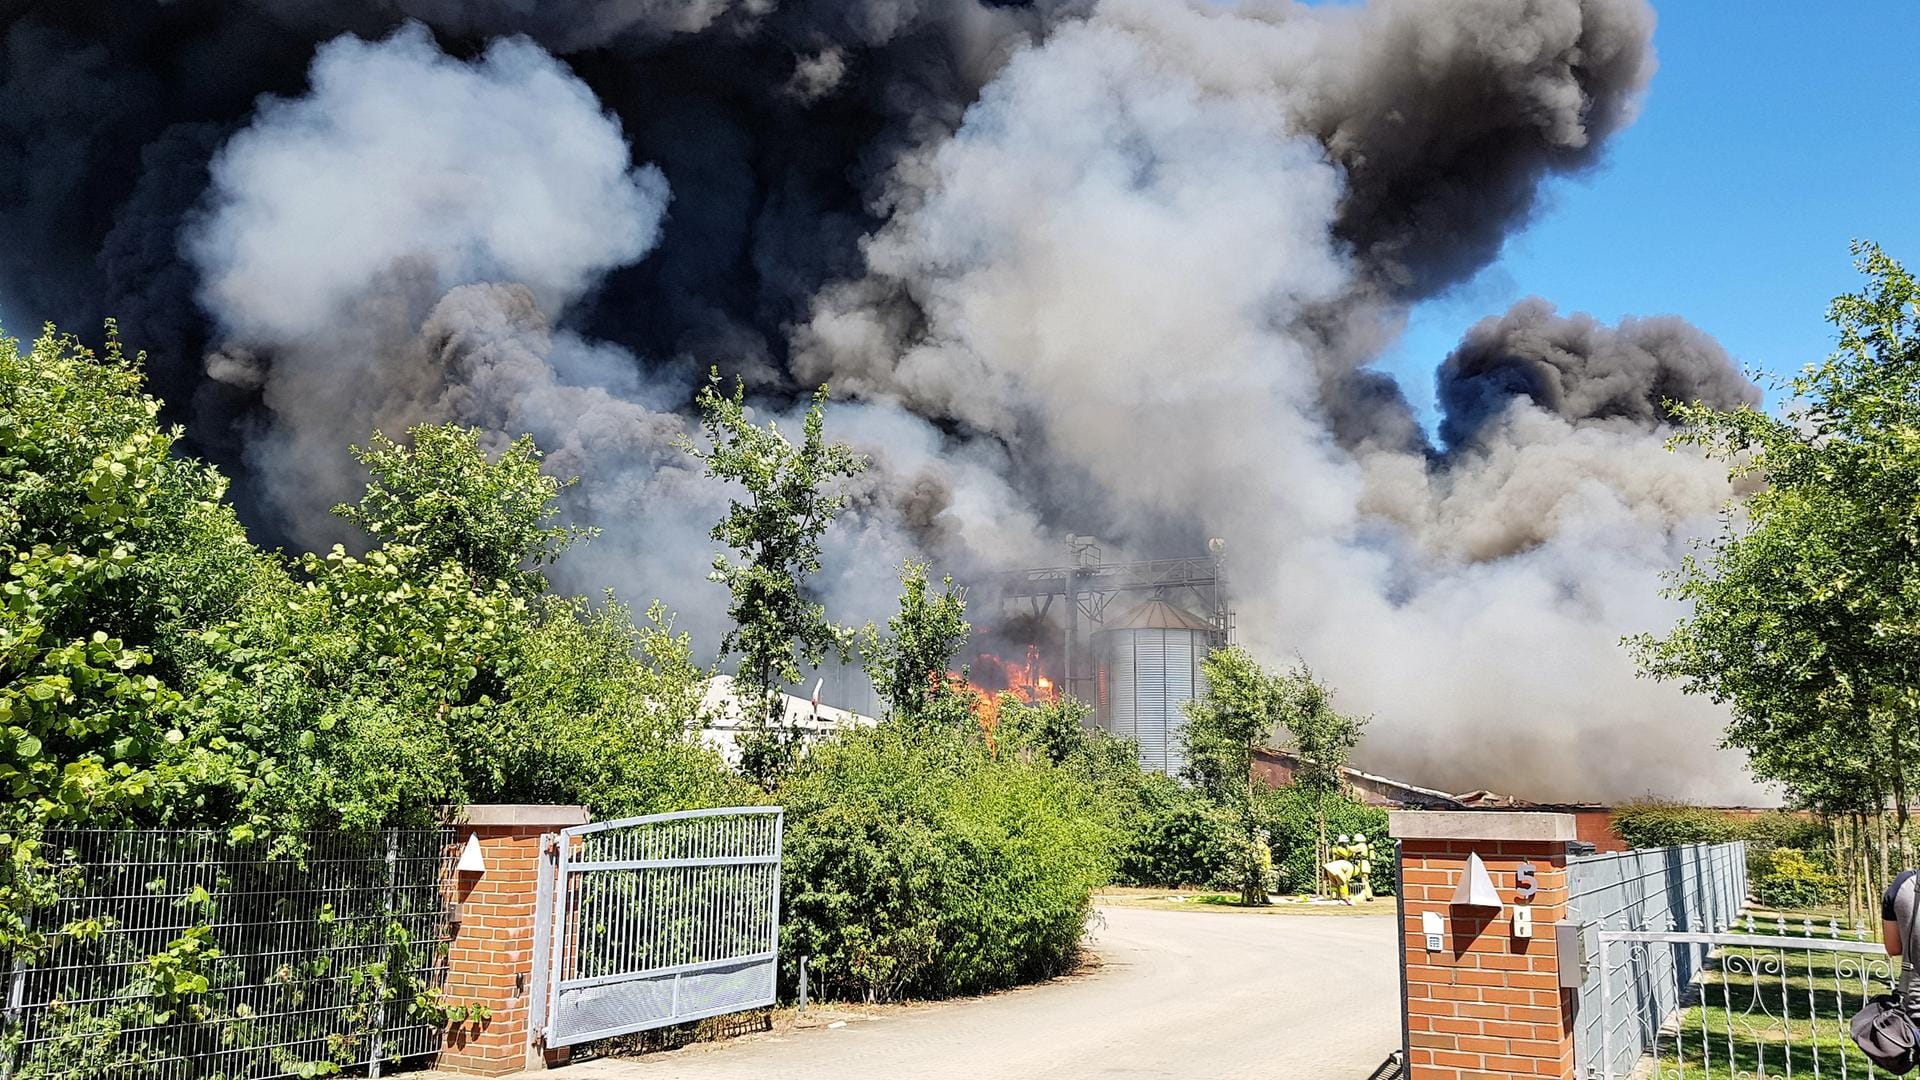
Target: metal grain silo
{"x":1149,"y":666}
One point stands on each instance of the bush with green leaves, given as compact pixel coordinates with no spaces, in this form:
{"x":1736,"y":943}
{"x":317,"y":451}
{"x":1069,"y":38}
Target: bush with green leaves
{"x":1290,"y":816}
{"x":1176,"y":837}
{"x":1785,"y":877}
{"x":918,"y":864}
{"x":159,"y":669}
{"x":1790,"y":829}
{"x":1663,"y":823}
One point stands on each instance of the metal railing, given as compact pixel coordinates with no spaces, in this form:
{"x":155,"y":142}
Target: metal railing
{"x":177,"y":955}
{"x":661,"y":920}
{"x":1754,"y":1000}
{"x":1691,"y":887}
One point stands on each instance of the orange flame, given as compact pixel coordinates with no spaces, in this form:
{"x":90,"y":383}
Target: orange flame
{"x":1025,"y":682}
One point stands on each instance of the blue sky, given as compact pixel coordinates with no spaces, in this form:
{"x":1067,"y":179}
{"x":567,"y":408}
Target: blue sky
{"x":1772,"y":134}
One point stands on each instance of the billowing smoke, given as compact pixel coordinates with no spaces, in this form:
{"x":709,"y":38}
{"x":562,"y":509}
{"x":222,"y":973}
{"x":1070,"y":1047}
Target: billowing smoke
{"x":1115,"y":268}
{"x":1580,"y":370}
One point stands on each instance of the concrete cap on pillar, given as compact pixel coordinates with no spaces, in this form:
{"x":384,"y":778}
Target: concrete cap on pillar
{"x":523,"y":815}
{"x":1479,"y":825}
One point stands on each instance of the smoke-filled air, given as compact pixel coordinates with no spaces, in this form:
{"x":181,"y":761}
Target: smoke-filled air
{"x":1119,"y":268}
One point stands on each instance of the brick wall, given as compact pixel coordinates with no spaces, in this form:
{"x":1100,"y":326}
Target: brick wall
{"x":1486,"y":1003}
{"x":490,"y":958}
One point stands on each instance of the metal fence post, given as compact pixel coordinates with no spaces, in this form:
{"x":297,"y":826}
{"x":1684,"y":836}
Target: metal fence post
{"x":378,"y":1050}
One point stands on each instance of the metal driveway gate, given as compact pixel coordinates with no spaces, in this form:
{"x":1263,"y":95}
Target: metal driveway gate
{"x":658,"y":920}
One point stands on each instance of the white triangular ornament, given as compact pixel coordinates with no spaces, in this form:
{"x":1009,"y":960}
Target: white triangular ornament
{"x":1476,"y":887}
{"x":470,"y":860}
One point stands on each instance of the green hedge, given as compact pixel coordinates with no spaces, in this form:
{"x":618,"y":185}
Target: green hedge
{"x":1173,"y":836}
{"x":916,"y":865}
{"x":1659,"y":823}
{"x":1288,"y":815}
{"x":1784,"y":877}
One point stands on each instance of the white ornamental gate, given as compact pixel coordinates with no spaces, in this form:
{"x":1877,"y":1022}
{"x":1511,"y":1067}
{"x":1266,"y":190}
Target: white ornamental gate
{"x":650,"y":921}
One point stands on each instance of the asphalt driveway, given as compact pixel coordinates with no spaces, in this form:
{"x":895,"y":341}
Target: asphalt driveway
{"x":1215,"y":994}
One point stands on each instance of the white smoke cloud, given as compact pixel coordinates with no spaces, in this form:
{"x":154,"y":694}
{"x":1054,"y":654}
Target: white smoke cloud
{"x":505,"y":168}
{"x":1120,"y":267}
{"x":1122,"y":298}
{"x":338,"y":221}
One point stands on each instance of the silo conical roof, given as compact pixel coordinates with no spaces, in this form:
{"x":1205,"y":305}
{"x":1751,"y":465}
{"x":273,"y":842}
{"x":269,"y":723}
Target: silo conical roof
{"x":1158,"y":615}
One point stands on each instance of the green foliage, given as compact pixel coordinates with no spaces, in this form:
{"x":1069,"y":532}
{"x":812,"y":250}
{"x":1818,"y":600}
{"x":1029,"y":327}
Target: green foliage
{"x":1786,"y":828}
{"x":1292,"y":817}
{"x":918,"y":864}
{"x":909,"y":663}
{"x":442,"y":495}
{"x":1240,"y":710}
{"x":115,"y":554}
{"x":775,"y":536}
{"x":1785,"y":878}
{"x":1662,"y":823}
{"x":1323,"y":740}
{"x":1178,"y":837}
{"x":1805,"y":609}
{"x":156,"y":668}
{"x":1055,"y":730}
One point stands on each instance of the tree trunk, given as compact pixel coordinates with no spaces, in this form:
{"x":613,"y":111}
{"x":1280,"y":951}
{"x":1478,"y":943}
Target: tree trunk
{"x":1880,"y":828}
{"x":1841,"y":865}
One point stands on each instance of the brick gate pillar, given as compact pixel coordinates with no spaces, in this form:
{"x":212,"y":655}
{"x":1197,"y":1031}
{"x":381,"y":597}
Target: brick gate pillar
{"x":490,"y":960}
{"x":1482,"y":985}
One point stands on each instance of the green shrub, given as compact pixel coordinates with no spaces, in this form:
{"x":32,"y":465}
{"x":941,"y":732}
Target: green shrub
{"x":1289,"y":816}
{"x":1661,"y":823}
{"x":918,"y":865}
{"x":1788,"y":829}
{"x":1784,"y":877}
{"x":1175,"y":837}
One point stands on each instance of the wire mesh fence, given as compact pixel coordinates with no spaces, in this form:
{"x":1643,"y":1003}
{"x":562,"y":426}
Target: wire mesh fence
{"x":176,"y":955}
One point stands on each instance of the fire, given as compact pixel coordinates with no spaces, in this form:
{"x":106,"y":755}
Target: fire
{"x":1024,"y":680}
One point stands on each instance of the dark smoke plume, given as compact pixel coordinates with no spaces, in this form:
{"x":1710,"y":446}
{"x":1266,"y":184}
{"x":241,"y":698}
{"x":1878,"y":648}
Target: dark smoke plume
{"x":1096,"y":266}
{"x":1578,"y":369}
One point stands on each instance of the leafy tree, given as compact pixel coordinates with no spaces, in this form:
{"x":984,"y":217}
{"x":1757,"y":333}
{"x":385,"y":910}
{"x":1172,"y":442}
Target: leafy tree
{"x":909,"y":663}
{"x":1055,"y":730}
{"x":1322,"y":742}
{"x":1239,"y":712}
{"x":114,"y":553}
{"x":1805,"y":607}
{"x":775,"y":534}
{"x":442,"y":495}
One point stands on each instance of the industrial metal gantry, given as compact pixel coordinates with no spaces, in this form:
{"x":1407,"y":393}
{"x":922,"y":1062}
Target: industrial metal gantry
{"x":1087,"y":586}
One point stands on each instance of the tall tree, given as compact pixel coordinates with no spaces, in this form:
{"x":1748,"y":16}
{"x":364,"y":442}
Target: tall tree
{"x":909,"y":664}
{"x":1239,"y":712}
{"x":1805,"y":607}
{"x":792,"y":497}
{"x":1322,"y":741}
{"x":441,"y":493}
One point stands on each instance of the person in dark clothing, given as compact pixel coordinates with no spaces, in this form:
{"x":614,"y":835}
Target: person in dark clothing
{"x":1897,"y":909}
{"x":1898,"y":899}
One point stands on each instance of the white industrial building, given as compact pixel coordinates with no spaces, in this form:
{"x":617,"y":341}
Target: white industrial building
{"x":724,"y":717}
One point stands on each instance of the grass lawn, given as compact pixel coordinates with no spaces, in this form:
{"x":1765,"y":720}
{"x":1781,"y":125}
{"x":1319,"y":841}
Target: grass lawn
{"x":1760,"y":1012}
{"x":1214,"y":900}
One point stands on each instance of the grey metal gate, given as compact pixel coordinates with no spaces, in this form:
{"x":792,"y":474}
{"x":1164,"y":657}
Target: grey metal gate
{"x":659,"y":920}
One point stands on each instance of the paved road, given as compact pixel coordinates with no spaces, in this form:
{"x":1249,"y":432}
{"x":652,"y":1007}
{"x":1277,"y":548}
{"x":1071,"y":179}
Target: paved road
{"x":1181,"y":994}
